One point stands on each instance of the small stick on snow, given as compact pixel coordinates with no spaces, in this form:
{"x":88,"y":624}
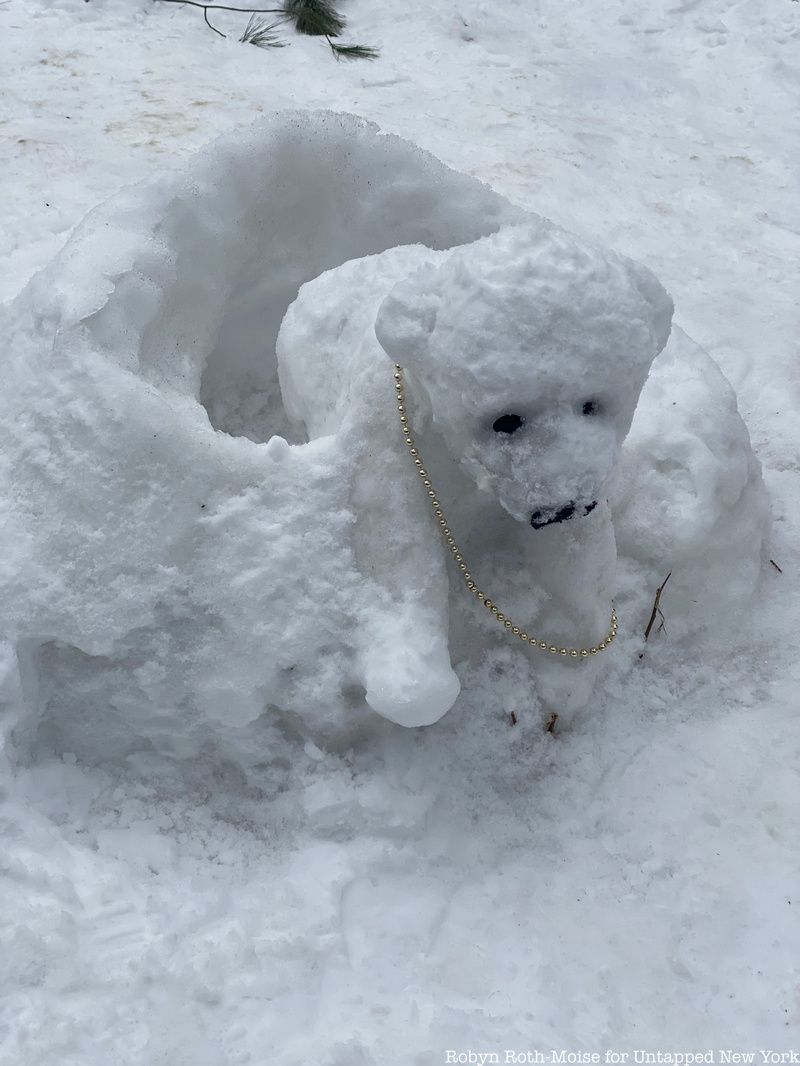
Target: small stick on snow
{"x":210,"y":26}
{"x":551,"y":722}
{"x":514,"y":718}
{"x":776,"y":566}
{"x":656,"y":612}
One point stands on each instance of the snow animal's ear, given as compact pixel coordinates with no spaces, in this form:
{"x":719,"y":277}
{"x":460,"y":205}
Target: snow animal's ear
{"x":660,"y":305}
{"x":407,"y":317}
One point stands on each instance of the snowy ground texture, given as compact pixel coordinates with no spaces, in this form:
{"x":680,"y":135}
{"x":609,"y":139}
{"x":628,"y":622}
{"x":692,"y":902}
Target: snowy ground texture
{"x":629,"y":883}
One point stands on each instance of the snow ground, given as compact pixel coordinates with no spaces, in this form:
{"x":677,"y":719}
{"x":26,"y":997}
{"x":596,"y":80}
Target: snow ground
{"x":629,"y":884}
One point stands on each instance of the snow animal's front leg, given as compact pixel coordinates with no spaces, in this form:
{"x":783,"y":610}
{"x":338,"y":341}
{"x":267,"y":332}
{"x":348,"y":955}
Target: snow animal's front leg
{"x":575,"y":566}
{"x":403,"y":645}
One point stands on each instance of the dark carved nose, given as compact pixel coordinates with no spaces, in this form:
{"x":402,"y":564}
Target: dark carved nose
{"x":539,"y":519}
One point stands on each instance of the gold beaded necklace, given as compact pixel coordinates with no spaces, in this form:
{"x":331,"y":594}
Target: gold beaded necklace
{"x":444,"y":529}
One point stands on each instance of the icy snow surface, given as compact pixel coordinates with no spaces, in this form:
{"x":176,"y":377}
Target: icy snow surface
{"x":299,"y":891}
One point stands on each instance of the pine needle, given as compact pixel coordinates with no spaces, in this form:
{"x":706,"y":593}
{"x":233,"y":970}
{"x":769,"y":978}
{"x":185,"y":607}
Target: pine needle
{"x":353,"y":51}
{"x":262,"y":33}
{"x":317,"y":18}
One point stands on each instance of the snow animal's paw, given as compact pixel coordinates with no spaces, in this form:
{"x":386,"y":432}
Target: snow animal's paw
{"x":411,"y":688}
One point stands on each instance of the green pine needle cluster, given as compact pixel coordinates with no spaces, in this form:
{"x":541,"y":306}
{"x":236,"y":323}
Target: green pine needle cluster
{"x":317,"y":18}
{"x":262,"y":33}
{"x":353,"y":51}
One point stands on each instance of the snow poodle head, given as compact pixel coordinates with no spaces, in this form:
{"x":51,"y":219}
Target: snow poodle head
{"x":531,"y":347}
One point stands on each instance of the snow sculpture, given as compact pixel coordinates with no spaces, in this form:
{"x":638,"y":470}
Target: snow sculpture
{"x":198,"y":551}
{"x":525,"y":353}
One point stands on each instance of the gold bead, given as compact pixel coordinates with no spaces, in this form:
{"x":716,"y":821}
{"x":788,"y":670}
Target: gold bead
{"x":500,"y":616}
{"x":584,"y":651}
{"x":488,"y":603}
{"x":573,"y":653}
{"x":494,"y":610}
{"x":508,"y":624}
{"x":543,"y":645}
{"x":467,"y":575}
{"x":593,"y":651}
{"x":515,"y":630}
{"x":417,"y":462}
{"x":602,"y":646}
{"x":479,"y":595}
{"x":562,"y":651}
{"x":470,"y":585}
{"x":462,"y":566}
{"x":428,"y":485}
{"x":553,"y":649}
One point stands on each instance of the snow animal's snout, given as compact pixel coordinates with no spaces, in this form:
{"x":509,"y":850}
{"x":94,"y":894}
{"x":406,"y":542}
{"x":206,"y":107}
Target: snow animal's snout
{"x":540,"y":519}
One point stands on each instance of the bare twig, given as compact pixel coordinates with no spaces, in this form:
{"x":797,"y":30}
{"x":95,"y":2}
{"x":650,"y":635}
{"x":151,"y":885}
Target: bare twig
{"x":776,"y":566}
{"x":226,"y":7}
{"x":208,"y":23}
{"x":514,"y":718}
{"x":551,"y":723}
{"x":656,"y":609}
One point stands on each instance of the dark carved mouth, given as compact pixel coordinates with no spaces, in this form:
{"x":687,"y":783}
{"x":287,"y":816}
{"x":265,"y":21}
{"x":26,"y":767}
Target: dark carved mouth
{"x":540,"y":519}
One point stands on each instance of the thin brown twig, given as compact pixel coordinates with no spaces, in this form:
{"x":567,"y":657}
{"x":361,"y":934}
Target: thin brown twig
{"x":656,"y":609}
{"x":208,"y":23}
{"x":226,"y":7}
{"x":776,"y":566}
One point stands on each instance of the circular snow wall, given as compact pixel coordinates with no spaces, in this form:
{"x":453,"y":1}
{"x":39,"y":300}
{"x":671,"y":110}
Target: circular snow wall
{"x":224,"y":250}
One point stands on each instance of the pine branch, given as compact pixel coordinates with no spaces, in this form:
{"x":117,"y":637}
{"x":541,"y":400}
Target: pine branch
{"x":353,"y":51}
{"x":317,"y":18}
{"x":262,"y":33}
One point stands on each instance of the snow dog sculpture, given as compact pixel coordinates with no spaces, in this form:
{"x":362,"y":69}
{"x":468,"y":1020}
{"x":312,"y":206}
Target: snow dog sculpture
{"x":208,"y":542}
{"x":525,"y":354}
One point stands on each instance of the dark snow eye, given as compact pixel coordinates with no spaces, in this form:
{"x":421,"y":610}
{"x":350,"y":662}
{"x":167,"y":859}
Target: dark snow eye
{"x":590,"y":407}
{"x":507,"y":424}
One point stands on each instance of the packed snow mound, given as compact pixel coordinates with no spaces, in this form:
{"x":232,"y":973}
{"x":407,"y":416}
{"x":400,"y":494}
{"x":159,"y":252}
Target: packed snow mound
{"x":197,"y":550}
